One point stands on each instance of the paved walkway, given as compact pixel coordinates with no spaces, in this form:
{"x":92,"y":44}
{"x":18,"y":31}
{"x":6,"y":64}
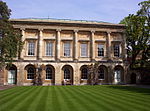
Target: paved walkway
{"x":5,"y":87}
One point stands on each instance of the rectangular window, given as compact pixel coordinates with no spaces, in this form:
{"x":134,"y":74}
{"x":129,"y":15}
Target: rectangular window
{"x":100,"y":50}
{"x":116,"y":50}
{"x":84,"y":50}
{"x":49,"y":49}
{"x":67,"y":49}
{"x":31,"y":48}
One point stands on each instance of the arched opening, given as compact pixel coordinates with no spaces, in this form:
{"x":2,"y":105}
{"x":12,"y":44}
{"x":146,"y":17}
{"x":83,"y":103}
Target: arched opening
{"x":84,"y":75}
{"x":118,"y":75}
{"x":133,"y":78}
{"x":50,"y":74}
{"x":67,"y":78}
{"x":102,"y":74}
{"x":12,"y":74}
{"x":30,"y":74}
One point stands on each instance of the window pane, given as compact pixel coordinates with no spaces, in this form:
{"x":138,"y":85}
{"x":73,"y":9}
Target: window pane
{"x":67,"y":49}
{"x":116,"y":50}
{"x":84,"y":74}
{"x":48,"y":73}
{"x":30,"y":73}
{"x":66,"y":74}
{"x":101,"y":73}
{"x":31,"y":48}
{"x":84,"y":50}
{"x":100,"y":50}
{"x":49,"y":49}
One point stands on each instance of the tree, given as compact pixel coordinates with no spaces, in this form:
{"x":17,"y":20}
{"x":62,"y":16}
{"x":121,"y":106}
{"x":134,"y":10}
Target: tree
{"x":93,"y":73}
{"x":10,"y":39}
{"x":138,"y":34}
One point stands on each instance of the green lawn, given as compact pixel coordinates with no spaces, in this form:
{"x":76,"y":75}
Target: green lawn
{"x":75,"y":98}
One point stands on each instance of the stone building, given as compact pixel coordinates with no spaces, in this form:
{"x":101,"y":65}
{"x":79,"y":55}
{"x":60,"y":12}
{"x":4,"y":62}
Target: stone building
{"x":60,"y":50}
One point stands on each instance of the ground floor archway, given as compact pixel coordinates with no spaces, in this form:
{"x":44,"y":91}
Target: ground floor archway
{"x":67,"y":75}
{"x":11,"y":74}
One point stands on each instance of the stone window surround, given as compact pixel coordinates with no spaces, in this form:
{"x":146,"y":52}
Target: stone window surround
{"x":75,"y":41}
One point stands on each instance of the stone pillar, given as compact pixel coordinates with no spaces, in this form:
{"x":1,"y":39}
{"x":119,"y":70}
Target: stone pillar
{"x":22,"y":54}
{"x":58,"y":45}
{"x":92,"y":45}
{"x":58,"y":75}
{"x":75,"y":45}
{"x":123,"y":47}
{"x":76,"y":75}
{"x":108,"y":45}
{"x":40,"y":44}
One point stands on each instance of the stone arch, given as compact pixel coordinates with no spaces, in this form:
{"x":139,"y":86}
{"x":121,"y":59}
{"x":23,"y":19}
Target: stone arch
{"x":67,"y":75}
{"x":103,"y":74}
{"x":49,"y":74}
{"x":11,"y":74}
{"x":84,"y":74}
{"x":118,"y":74}
{"x":30,"y":73}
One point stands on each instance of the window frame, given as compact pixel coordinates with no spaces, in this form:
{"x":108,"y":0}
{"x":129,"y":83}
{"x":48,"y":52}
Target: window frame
{"x":50,"y":73}
{"x":100,"y":50}
{"x":83,"y":74}
{"x":82,"y":54}
{"x":51,"y":48}
{"x":66,"y":75}
{"x":101,"y":73}
{"x":66,"y":49}
{"x":30,"y":73}
{"x":116,"y":50}
{"x":33,"y":48}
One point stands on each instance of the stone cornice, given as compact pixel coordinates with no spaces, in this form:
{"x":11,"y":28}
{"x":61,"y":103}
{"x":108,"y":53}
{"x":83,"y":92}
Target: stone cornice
{"x":66,"y":23}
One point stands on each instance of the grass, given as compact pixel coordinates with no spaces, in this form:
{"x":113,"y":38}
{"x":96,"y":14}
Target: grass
{"x":75,"y":98}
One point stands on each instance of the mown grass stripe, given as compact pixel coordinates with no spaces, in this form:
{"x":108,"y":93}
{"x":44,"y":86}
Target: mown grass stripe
{"x":56,"y":104}
{"x":123,"y":96}
{"x":119,"y":100}
{"x":8,"y":98}
{"x":9,"y":92}
{"x":91,"y":104}
{"x":48,"y":101}
{"x":78,"y":100}
{"x":27,"y":99}
{"x":9,"y":105}
{"x":39,"y":101}
{"x":61,"y":98}
{"x":69,"y":100}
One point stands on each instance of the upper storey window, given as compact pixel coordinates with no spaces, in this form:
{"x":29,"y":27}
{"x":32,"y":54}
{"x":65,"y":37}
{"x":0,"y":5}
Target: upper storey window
{"x":67,"y":47}
{"x":31,"y":48}
{"x":49,"y":49}
{"x":84,"y":50}
{"x":116,"y":50}
{"x":100,"y":50}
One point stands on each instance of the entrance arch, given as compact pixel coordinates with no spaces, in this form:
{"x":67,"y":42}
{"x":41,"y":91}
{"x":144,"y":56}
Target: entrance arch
{"x":118,"y":74}
{"x":133,"y":78}
{"x":11,"y":74}
{"x":50,"y":74}
{"x":67,"y":78}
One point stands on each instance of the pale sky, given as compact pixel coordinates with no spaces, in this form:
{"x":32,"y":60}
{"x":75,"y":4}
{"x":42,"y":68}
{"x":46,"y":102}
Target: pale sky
{"x":112,"y":11}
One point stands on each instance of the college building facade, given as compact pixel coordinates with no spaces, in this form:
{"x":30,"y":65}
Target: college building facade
{"x":61,"y":50}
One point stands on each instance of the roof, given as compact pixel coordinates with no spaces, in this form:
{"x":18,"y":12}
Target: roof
{"x":51,"y":20}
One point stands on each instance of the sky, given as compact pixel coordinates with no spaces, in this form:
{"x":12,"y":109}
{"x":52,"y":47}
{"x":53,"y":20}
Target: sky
{"x":112,"y":11}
